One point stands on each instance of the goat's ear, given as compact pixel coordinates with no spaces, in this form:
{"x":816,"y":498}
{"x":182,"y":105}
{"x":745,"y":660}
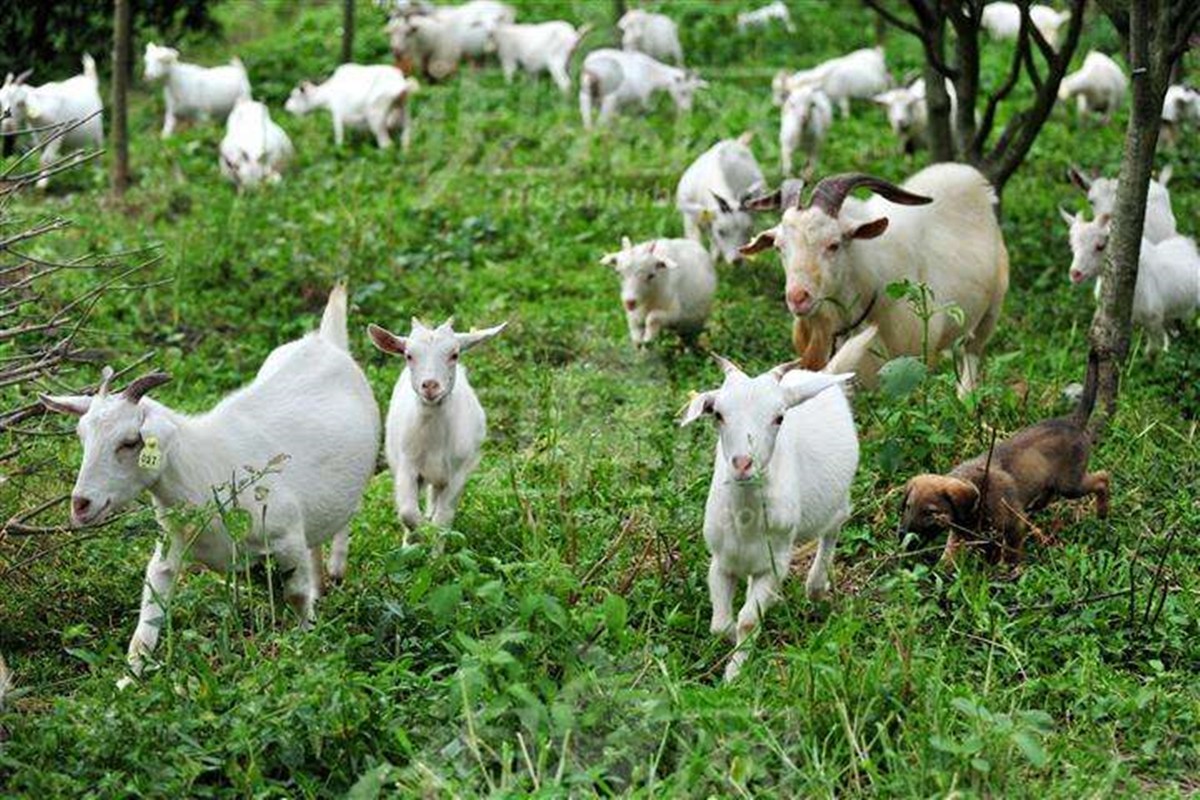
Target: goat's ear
{"x":386,"y":341}
{"x":963,"y":499}
{"x":626,"y":243}
{"x":764,"y":241}
{"x":76,"y":405}
{"x":801,"y":385}
{"x":468,"y":340}
{"x":868,"y":230}
{"x":700,"y":404}
{"x":610,"y":259}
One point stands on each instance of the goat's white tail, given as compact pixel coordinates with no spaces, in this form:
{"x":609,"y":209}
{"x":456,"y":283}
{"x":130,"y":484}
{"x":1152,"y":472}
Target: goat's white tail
{"x":89,"y":67}
{"x":333,"y":321}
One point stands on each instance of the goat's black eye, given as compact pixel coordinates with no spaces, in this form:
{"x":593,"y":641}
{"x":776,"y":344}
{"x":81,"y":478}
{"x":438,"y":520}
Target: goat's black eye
{"x":130,"y":444}
{"x":832,"y":247}
{"x":779,"y":419}
{"x":717,"y":416}
{"x":454,"y":356}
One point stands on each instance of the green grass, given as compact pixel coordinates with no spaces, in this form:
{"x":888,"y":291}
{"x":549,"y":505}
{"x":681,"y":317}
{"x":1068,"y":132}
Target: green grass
{"x":560,"y":645}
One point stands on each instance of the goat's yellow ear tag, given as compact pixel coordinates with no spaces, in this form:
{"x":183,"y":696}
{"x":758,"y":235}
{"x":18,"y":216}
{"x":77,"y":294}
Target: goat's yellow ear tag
{"x":150,"y":457}
{"x":706,"y":216}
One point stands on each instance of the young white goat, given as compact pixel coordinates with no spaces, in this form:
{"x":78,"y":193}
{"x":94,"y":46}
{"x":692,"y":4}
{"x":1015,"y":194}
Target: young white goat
{"x":360,"y":97}
{"x":192,"y":92}
{"x":858,"y":75}
{"x":254,"y":149}
{"x":54,"y":105}
{"x":804,"y":123}
{"x":1101,"y":192}
{"x":656,"y":35}
{"x":545,"y":47}
{"x":435,"y":423}
{"x":764,"y":16}
{"x":908,"y":112}
{"x":710,"y":195}
{"x":435,"y":38}
{"x":665,"y":283}
{"x":614,"y":79}
{"x":308,"y":420}
{"x":786,"y":455}
{"x":1168,"y":280}
{"x":1098,"y":86}
{"x":1181,"y":107}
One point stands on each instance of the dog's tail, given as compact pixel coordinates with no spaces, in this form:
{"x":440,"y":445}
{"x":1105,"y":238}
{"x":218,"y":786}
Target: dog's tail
{"x":1087,"y":401}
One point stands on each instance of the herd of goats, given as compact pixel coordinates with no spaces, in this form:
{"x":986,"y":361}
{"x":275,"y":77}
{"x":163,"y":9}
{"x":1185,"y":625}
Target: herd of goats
{"x":787,"y":448}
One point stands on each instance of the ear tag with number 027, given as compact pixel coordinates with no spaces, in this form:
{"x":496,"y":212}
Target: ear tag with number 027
{"x":150,"y":457}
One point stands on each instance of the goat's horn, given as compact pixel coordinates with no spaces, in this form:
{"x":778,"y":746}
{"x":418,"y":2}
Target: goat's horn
{"x":106,"y":376}
{"x":831,"y":192}
{"x":140,"y":386}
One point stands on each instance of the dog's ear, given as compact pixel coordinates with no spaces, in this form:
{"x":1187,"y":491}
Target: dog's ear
{"x":963,"y":499}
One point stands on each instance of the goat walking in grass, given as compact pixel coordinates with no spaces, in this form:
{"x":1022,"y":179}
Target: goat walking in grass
{"x":786,"y":455}
{"x":435,"y":423}
{"x":308,"y":419}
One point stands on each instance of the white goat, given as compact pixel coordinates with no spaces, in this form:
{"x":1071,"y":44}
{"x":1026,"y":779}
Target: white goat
{"x":435,"y":423}
{"x":358,"y":96}
{"x":786,"y":455}
{"x":764,"y":16}
{"x":435,"y":38}
{"x":1048,"y":21}
{"x":614,"y":79}
{"x":908,"y":112}
{"x":193,"y":92}
{"x":55,"y":106}
{"x":839,"y":256}
{"x":656,"y":35}
{"x":710,"y":195}
{"x":308,"y":420}
{"x":1159,"y":223}
{"x":1181,"y":106}
{"x":665,"y":283}
{"x":804,"y":123}
{"x":1168,"y":279}
{"x":1097,"y":86}
{"x":254,"y":149}
{"x":1003,"y":21}
{"x":858,"y":75}
{"x":545,"y":47}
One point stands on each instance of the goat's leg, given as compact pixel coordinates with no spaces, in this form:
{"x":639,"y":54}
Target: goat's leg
{"x":721,"y":588}
{"x":339,"y":130}
{"x":159,"y":585}
{"x":561,"y":76}
{"x":445,"y":500}
{"x":49,"y":156}
{"x":300,"y":589}
{"x":816,"y":586}
{"x":339,"y":551}
{"x":407,"y":492}
{"x":169,"y":117}
{"x":762,"y":593}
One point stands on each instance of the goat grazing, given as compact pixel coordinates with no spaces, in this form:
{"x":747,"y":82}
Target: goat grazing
{"x":804,"y":123}
{"x":193,"y":92}
{"x":1003,"y":21}
{"x":993,"y":493}
{"x":665,"y":283}
{"x":1098,"y":86}
{"x":435,"y":423}
{"x":613,"y":79}
{"x":72,"y":106}
{"x":374,"y":97}
{"x":545,"y":47}
{"x":711,"y":192}
{"x":840,"y":254}
{"x":858,"y":75}
{"x":1101,"y":192}
{"x":254,"y":149}
{"x":786,"y":455}
{"x":436,"y":38}
{"x":1168,"y":278}
{"x":656,"y":35}
{"x":308,"y":419}
{"x":764,"y":16}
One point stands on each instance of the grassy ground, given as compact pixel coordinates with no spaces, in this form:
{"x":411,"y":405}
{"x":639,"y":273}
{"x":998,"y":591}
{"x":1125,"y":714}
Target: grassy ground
{"x":560,"y":644}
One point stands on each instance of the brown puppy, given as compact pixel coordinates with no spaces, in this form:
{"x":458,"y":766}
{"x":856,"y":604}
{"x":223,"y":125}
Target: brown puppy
{"x":990,"y":497}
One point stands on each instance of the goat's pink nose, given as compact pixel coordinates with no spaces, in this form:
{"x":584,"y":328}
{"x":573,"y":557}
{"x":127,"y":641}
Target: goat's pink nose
{"x":1076,"y":276}
{"x":630,"y":305}
{"x":799,"y":300}
{"x":430,"y":388}
{"x":80,"y":506}
{"x":743,"y":463}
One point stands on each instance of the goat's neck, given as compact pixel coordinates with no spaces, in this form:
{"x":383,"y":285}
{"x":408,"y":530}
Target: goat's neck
{"x":193,"y":464}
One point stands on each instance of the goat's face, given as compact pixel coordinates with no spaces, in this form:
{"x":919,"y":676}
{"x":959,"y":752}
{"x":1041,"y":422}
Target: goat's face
{"x":642,"y":270}
{"x":431,"y":355}
{"x":301,"y":100}
{"x":749,"y":413}
{"x":812,"y":246}
{"x":1089,"y":241}
{"x":114,"y":430}
{"x":900,"y":106}
{"x":158,"y":61}
{"x":13,"y":97}
{"x":683,"y":88}
{"x":399,"y":30}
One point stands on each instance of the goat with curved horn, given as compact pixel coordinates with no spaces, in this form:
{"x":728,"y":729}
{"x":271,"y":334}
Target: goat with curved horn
{"x":142,"y":385}
{"x":831,"y":192}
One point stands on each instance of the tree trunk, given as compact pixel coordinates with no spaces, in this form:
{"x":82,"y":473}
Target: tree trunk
{"x":347,"y":31}
{"x":937,"y":101}
{"x":120,"y":97}
{"x":1111,"y":331}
